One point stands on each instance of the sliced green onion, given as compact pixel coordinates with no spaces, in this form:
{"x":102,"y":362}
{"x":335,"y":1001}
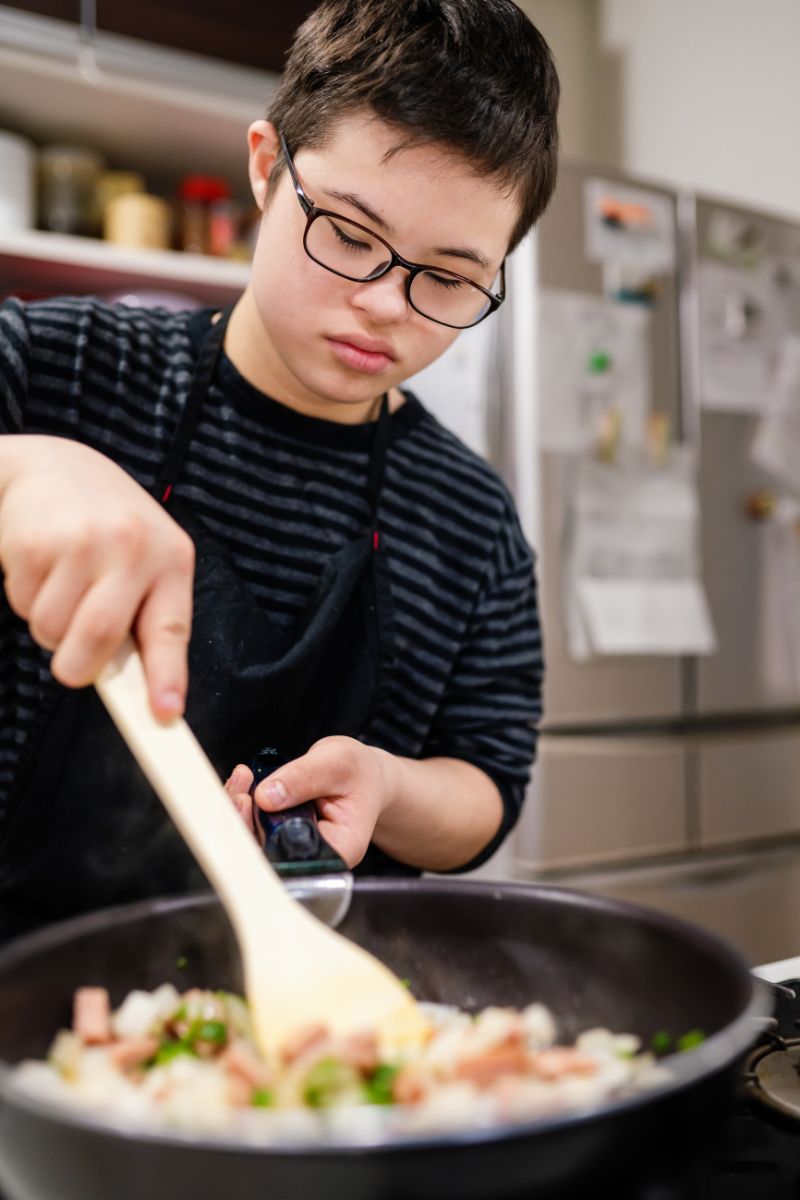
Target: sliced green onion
{"x":214,"y":1032}
{"x":378,"y":1088}
{"x":325,"y":1081}
{"x":689,"y":1040}
{"x":167,"y":1051}
{"x":661,"y":1042}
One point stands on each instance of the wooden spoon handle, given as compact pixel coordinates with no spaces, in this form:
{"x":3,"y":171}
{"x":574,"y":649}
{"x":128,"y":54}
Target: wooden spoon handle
{"x":176,"y":766}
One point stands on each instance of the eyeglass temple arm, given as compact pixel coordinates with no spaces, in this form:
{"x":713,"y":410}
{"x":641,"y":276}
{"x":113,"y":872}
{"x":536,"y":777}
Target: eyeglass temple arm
{"x":501,"y":295}
{"x":305,"y":201}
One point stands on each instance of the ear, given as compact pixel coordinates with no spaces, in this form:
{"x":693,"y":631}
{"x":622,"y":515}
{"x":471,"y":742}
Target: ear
{"x":264,"y":145}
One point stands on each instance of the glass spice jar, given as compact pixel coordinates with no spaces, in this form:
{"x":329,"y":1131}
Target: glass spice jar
{"x":67,"y":181}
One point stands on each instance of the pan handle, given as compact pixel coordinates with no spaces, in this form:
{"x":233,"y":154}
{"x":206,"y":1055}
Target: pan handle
{"x":291,"y":838}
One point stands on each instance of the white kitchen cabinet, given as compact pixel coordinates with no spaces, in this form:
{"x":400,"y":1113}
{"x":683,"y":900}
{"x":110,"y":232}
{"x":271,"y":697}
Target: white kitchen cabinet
{"x":751,"y":897}
{"x":602,"y":800}
{"x":749,"y":786}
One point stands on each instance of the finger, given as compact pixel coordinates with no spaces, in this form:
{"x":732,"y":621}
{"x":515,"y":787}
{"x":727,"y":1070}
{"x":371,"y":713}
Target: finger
{"x":243,"y":804}
{"x":97,"y":630}
{"x":23,"y":579}
{"x":239,"y":780}
{"x":163,"y":628}
{"x":55,"y":604}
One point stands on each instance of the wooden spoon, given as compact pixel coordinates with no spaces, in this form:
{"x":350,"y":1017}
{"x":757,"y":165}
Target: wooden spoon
{"x":297,"y":971}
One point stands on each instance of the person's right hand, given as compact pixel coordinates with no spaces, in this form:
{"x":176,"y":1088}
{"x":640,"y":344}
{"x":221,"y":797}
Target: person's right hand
{"x":89,"y":556}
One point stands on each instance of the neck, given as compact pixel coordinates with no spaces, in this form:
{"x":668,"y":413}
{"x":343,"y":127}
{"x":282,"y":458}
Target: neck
{"x":252,"y":352}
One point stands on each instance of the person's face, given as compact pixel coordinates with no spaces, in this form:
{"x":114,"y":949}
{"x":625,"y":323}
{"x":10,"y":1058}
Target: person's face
{"x":344,"y":341}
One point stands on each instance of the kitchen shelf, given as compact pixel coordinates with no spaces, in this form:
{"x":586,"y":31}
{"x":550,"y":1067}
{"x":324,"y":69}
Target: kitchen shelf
{"x":162,"y":112}
{"x":34,"y":262}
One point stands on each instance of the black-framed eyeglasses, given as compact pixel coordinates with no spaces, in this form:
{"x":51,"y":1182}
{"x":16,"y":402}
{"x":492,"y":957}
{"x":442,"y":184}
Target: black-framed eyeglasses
{"x":354,"y":252}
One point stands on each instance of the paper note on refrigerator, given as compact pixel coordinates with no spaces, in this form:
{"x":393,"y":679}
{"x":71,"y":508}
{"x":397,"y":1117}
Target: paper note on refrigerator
{"x":595,"y":354}
{"x":776,"y":445}
{"x":737,"y":318}
{"x":631,"y":226}
{"x":632,"y":577}
{"x":779,"y":600}
{"x":640,"y":617}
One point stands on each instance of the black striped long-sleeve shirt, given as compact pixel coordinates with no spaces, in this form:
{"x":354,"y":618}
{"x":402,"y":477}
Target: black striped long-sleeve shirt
{"x":282,"y":492}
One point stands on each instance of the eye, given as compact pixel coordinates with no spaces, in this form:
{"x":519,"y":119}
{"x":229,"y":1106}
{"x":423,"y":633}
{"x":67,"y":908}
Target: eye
{"x":446,"y":281}
{"x":345,"y":239}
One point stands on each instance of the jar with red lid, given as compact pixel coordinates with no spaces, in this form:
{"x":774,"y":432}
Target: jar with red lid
{"x":206,"y":223}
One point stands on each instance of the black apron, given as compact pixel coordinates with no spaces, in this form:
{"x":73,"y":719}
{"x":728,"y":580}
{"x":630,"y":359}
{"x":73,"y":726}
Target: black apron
{"x":87,"y":829}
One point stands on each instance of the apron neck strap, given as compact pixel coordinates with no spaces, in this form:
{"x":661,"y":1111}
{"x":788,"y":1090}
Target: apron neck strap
{"x":204,"y":370}
{"x":377,"y":461}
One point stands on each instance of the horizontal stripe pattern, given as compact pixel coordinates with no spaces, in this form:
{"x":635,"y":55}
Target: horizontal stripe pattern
{"x":283,"y":492}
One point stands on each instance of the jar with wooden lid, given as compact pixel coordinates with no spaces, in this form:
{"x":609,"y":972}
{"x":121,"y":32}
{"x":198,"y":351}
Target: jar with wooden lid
{"x":138,"y":220}
{"x":116,"y":183}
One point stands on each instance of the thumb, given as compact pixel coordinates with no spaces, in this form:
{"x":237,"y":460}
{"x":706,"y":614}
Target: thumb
{"x":348,"y":843}
{"x":307,"y":778}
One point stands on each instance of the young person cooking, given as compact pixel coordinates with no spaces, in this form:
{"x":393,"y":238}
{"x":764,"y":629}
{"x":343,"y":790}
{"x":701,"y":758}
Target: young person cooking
{"x":288,"y":534}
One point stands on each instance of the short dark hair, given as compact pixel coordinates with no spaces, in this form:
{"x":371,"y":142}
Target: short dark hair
{"x":474,"y":75}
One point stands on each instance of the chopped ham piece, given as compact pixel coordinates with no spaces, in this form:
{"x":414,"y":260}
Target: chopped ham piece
{"x":241,"y":1062}
{"x":483,"y":1069}
{"x":240,"y":1093}
{"x":302,"y":1041}
{"x":132,"y":1052}
{"x":561,"y":1060}
{"x":409,"y":1085}
{"x":359,"y":1050}
{"x":91,"y":1015}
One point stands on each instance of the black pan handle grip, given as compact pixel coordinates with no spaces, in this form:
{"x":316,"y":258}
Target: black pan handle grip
{"x":290,"y":835}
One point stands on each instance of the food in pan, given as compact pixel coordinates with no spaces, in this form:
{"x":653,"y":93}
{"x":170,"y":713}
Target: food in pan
{"x":189,"y":1061}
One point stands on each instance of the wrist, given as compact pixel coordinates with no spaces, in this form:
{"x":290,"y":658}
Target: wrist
{"x":389,"y":771}
{"x":20,"y":451}
{"x":12,"y":448}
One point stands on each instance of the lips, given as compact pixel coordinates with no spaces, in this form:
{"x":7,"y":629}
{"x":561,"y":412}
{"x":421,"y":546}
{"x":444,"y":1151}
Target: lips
{"x":368,"y":355}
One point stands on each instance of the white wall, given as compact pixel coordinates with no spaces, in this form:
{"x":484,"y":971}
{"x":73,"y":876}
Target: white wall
{"x":712,"y":91}
{"x":571,"y":30}
{"x":703,"y":94}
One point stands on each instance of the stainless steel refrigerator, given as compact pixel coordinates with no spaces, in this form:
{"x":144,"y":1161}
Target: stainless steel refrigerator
{"x":668,"y":778}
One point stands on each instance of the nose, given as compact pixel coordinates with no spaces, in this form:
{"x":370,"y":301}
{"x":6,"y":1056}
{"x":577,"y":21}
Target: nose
{"x":384,"y":300}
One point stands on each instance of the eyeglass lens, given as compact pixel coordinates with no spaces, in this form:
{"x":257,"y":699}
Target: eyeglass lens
{"x":341,"y":246}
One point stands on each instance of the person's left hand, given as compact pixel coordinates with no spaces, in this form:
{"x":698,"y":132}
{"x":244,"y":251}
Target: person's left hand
{"x":347,"y":781}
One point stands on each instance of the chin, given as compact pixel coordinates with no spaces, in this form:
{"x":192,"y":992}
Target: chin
{"x":344,"y":389}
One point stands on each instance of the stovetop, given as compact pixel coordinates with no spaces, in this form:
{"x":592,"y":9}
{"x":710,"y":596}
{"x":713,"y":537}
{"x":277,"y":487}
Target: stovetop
{"x":757,"y":1156}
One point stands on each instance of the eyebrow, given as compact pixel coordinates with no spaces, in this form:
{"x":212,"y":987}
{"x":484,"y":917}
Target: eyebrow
{"x":362,"y":206}
{"x":356,"y":201}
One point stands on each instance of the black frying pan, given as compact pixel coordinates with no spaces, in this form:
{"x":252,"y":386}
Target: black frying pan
{"x":592,"y":961}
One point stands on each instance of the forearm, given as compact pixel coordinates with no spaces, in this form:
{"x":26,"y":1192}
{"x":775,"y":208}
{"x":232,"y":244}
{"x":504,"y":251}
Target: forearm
{"x":439,"y":812}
